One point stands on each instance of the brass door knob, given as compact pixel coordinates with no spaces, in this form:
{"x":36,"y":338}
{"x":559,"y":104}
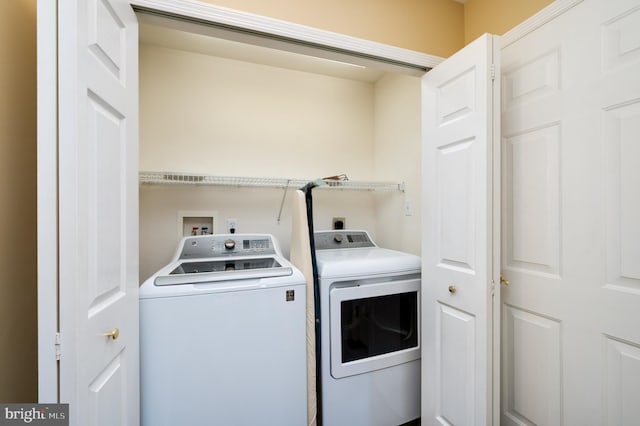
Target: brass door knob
{"x":113,"y":334}
{"x":452,"y":289}
{"x":504,"y":281}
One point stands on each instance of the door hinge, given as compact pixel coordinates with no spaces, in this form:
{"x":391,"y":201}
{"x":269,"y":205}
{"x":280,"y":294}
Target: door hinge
{"x":58,"y":346}
{"x":492,"y":71}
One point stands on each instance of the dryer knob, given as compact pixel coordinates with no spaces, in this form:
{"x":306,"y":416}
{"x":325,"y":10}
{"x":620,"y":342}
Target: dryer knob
{"x":337,"y":238}
{"x":229,"y":244}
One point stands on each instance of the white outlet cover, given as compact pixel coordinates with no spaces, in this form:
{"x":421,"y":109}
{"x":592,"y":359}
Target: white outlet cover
{"x":408,"y":208}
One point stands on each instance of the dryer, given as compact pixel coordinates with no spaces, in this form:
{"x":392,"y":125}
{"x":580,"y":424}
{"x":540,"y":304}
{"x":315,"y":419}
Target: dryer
{"x":369,"y":331}
{"x":222,"y":336}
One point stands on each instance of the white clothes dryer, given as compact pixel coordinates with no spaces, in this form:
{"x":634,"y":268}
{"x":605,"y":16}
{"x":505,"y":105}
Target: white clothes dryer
{"x":222,"y":336}
{"x":370,"y":331}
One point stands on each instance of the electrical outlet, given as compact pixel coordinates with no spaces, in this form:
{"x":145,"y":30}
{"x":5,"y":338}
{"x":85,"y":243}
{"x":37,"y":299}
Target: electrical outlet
{"x":408,"y":208}
{"x":338,"y":223}
{"x":232,"y":225}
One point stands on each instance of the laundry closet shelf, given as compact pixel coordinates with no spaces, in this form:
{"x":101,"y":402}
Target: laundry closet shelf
{"x":172,"y":178}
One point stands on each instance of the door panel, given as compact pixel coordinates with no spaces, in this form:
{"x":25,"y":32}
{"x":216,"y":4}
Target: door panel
{"x":98,"y":211}
{"x":104,"y":153}
{"x":107,"y":36}
{"x":456,"y":333}
{"x":532,"y":199}
{"x":455,"y":232}
{"x":104,"y":395}
{"x":456,"y":97}
{"x":622,"y":372}
{"x":532,"y":364}
{"x":458,"y":247}
{"x":622,"y":130}
{"x":572,"y":219}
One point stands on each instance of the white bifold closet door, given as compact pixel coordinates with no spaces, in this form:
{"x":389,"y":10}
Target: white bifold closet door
{"x":460,"y":327}
{"x":571,"y":219}
{"x":95,"y":109}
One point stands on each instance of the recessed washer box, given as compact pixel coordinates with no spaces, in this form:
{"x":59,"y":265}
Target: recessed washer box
{"x":200,"y":222}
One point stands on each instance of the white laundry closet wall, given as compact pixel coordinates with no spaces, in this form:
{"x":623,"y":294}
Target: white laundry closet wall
{"x":210,"y":115}
{"x":397,"y":152}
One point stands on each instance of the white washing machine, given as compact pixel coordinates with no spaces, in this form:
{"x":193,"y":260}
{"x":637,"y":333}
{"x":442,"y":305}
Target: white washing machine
{"x":222,"y":336}
{"x":369,"y":328}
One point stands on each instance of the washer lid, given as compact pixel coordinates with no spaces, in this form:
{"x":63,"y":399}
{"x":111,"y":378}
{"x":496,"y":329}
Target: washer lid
{"x":211,"y":270}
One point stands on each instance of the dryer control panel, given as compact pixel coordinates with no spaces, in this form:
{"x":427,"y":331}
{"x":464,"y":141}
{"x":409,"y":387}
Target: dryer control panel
{"x":342,"y":239}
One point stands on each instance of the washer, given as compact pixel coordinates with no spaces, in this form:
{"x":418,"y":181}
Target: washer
{"x":370,"y":336}
{"x":222,"y":336}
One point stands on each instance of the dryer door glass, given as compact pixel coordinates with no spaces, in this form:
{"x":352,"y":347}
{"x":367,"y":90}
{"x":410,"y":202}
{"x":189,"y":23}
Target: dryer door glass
{"x":374,"y":325}
{"x":378,"y":325}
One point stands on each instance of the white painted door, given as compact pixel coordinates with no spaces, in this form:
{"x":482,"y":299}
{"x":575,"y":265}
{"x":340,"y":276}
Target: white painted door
{"x":571,"y":229}
{"x":460,"y":244}
{"x":98,"y":210}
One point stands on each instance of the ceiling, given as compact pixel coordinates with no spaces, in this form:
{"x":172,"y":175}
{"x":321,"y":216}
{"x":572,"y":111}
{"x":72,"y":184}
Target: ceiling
{"x":164,"y":33}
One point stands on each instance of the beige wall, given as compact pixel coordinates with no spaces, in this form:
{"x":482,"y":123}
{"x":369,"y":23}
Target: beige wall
{"x":398,"y":158}
{"x":256,"y":210}
{"x":435,"y":27}
{"x":497,"y":16}
{"x":18,"y":330}
{"x":206,"y":114}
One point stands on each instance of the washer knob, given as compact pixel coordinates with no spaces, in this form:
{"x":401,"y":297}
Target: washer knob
{"x":337,"y":238}
{"x":229,"y":244}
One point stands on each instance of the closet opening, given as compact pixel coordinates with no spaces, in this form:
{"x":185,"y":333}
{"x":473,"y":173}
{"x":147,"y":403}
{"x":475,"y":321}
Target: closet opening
{"x":230,"y":100}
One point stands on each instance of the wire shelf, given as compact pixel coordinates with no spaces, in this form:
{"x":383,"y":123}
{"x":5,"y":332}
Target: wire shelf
{"x":171,"y":178}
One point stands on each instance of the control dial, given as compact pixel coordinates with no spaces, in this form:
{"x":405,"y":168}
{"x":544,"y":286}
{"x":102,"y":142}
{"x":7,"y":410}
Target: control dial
{"x":229,"y":244}
{"x":337,"y":238}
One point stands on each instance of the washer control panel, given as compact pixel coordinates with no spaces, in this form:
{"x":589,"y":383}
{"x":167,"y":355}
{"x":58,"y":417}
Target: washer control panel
{"x":227,"y":245}
{"x":342,"y":239}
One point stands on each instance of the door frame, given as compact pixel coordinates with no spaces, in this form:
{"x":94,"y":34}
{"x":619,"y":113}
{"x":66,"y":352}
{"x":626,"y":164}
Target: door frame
{"x":47,"y":198}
